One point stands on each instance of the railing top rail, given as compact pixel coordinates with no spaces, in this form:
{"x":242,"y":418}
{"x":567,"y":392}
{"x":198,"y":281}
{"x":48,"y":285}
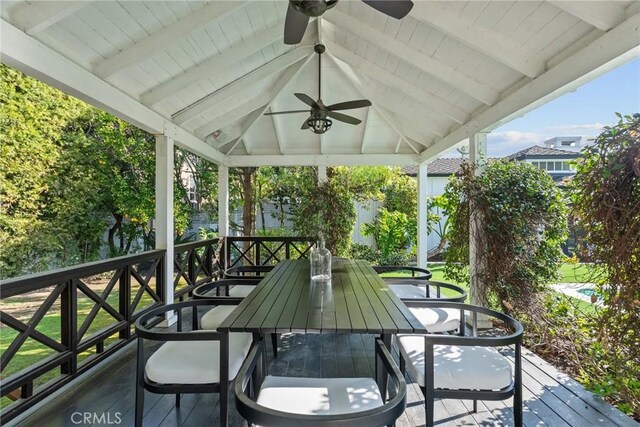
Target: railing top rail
{"x":271,"y":239}
{"x":18,"y":285}
{"x":183,"y":247}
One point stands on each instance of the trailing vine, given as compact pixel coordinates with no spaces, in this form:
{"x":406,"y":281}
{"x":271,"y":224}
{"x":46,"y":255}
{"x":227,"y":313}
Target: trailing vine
{"x":606,"y":202}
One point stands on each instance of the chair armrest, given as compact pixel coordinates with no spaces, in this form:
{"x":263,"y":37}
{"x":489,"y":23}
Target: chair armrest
{"x":201,"y":291}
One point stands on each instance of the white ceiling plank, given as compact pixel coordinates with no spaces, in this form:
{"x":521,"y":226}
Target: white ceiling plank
{"x":487,"y":42}
{"x":169,"y":35}
{"x":232,"y":116}
{"x":410,"y":144}
{"x":398,"y":145}
{"x":603,"y":15}
{"x":475,"y":89}
{"x":429,"y":100}
{"x":28,"y":55}
{"x":278,"y":87}
{"x":37,"y":16}
{"x":213,"y":66}
{"x":323,"y":160}
{"x":612,"y":49}
{"x":246,"y":124}
{"x":266,"y":70}
{"x":365,"y":92}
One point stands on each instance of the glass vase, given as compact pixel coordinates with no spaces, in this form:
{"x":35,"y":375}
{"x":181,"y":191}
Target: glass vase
{"x":320,"y":263}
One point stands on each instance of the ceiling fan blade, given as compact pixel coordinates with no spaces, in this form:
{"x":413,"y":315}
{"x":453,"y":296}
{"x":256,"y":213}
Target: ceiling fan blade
{"x":394,"y":8}
{"x":344,"y":118}
{"x":349,"y":105}
{"x":273,"y":113}
{"x":295,"y":24}
{"x":304,"y":124}
{"x":307,"y":100}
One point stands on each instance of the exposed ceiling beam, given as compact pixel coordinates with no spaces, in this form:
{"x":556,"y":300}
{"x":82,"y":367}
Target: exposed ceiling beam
{"x":165,"y":37}
{"x":612,"y":49}
{"x":431,"y":101}
{"x":233,"y":115}
{"x":246,"y":124}
{"x":392,"y":121}
{"x":35,"y":17}
{"x":212,"y":66}
{"x":276,"y":127}
{"x":278,"y":87}
{"x":443,"y":72}
{"x":484,"y":41}
{"x":24,"y":53}
{"x":603,"y":15}
{"x":233,"y":88}
{"x":366,"y":130}
{"x":323,"y":160}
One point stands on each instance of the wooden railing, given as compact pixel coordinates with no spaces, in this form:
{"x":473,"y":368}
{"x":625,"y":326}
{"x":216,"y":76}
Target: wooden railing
{"x":73,"y":318}
{"x":264,"y":250}
{"x":58,"y":324}
{"x":196,"y":263}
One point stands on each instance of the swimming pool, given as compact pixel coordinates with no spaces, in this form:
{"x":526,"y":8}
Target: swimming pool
{"x":586,"y":291}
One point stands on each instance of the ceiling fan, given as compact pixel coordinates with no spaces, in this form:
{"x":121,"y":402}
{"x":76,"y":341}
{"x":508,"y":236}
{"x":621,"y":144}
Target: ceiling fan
{"x":300,"y":11}
{"x":319,"y":115}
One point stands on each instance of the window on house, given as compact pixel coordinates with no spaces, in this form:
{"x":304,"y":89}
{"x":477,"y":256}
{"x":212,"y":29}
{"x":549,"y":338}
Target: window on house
{"x":558,"y":166}
{"x":566,"y":166}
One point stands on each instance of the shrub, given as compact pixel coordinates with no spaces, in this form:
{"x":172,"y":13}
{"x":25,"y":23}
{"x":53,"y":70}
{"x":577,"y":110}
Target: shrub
{"x":393,"y":231}
{"x":521,"y":224}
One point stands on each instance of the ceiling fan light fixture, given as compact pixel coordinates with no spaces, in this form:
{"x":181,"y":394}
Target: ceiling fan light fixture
{"x":319,"y":124}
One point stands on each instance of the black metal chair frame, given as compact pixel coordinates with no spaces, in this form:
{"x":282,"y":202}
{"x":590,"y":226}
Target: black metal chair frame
{"x":222,"y":289}
{"x":144,"y":332}
{"x":416,"y":272}
{"x":429,"y":285}
{"x":249,"y":381}
{"x":462,"y":339}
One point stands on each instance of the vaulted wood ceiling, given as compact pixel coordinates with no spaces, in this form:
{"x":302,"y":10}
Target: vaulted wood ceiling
{"x":205,"y":72}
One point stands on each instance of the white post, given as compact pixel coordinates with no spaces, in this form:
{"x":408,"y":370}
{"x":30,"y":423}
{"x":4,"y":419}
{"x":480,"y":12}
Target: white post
{"x":423,"y":232}
{"x":478,"y":157}
{"x":223,"y":201}
{"x":322,"y":174}
{"x":164,"y":212}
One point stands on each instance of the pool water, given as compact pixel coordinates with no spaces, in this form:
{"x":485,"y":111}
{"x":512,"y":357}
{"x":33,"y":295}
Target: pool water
{"x":586,"y":291}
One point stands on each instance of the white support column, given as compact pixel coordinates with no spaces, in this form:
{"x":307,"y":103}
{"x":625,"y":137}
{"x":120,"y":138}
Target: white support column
{"x":164,"y":212}
{"x":223,"y":201}
{"x":322,"y":174}
{"x":423,"y":231}
{"x":478,"y":157}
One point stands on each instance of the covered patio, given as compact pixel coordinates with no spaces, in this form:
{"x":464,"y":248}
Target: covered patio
{"x":201,"y":76}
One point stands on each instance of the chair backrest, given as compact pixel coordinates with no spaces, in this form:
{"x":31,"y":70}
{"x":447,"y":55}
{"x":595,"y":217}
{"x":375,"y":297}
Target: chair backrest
{"x":416,"y":272}
{"x":221,"y":287}
{"x":261,"y":415}
{"x":433,"y":290}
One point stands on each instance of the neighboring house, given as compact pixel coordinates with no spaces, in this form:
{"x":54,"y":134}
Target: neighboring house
{"x":554,"y":157}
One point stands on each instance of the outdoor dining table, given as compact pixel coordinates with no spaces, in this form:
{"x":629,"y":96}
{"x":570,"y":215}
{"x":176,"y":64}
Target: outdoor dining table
{"x":356,"y":300}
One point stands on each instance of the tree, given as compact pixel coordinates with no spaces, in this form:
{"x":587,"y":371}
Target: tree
{"x":328,"y":210}
{"x":522,"y":222}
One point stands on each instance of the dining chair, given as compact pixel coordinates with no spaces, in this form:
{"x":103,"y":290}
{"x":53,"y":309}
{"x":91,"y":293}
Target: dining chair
{"x":318,"y":402}
{"x":465,"y":366}
{"x":187,"y":361}
{"x":247,"y":271}
{"x":233,"y":288}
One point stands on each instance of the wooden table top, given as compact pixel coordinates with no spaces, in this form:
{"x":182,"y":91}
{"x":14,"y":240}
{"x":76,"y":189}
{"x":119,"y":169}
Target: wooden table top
{"x":356,"y":301}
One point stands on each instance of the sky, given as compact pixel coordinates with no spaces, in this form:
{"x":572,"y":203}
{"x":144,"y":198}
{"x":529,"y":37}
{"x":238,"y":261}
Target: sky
{"x":580,"y":113}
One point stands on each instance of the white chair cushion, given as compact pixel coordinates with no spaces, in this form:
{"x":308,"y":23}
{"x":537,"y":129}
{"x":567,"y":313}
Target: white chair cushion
{"x":241,"y":291}
{"x":196,"y":362}
{"x":409,"y":291}
{"x":437,"y":319}
{"x":212,"y":318}
{"x":457,"y":367}
{"x":319,"y":396}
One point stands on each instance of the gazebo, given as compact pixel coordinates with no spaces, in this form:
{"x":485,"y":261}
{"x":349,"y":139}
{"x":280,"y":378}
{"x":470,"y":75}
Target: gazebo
{"x":202,"y":75}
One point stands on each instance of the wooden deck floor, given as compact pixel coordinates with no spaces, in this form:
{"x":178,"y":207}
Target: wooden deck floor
{"x":550,"y":398}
